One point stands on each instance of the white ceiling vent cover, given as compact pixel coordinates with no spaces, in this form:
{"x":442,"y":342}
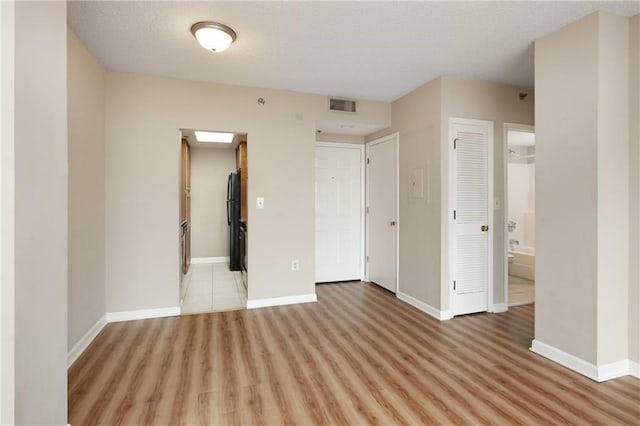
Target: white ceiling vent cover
{"x":342,"y":105}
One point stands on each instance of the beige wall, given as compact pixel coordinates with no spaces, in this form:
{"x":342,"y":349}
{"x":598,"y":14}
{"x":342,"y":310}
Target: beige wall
{"x":582,"y":184}
{"x":416,"y":116}
{"x":40,"y":213}
{"x":566,"y":185}
{"x":613,"y":188}
{"x":634,"y":189}
{"x":499,"y":103}
{"x":421,"y":118}
{"x":143,"y":115}
{"x":210,"y":169}
{"x":7,"y":217}
{"x":86,"y":98}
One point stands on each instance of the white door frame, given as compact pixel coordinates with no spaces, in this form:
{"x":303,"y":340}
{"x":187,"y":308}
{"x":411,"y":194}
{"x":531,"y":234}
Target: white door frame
{"x":520,"y":128}
{"x":368,"y":146}
{"x":448,"y":164}
{"x":359,"y":147}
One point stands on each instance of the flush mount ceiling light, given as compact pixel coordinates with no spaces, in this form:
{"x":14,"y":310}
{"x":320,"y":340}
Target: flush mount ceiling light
{"x":213,"y":137}
{"x":213,"y":36}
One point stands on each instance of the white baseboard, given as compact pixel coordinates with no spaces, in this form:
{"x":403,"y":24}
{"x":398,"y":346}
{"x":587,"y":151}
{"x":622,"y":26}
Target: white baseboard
{"x":84,"y":342}
{"x":498,"y":308}
{"x":598,"y":373}
{"x":143,"y":314}
{"x":199,"y":260}
{"x":424,"y":307}
{"x":277,"y":301}
{"x":634,"y":369}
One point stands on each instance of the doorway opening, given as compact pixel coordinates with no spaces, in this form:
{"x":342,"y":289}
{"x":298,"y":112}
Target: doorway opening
{"x":213,"y":225}
{"x":519,"y":214}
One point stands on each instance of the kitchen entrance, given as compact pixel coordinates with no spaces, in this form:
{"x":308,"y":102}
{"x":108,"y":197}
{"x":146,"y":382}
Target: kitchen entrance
{"x":213,"y":221}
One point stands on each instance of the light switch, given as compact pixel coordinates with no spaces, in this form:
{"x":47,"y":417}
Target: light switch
{"x":260,"y":203}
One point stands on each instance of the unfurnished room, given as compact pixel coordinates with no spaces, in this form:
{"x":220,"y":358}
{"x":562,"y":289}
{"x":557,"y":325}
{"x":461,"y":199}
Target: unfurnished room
{"x":347,"y":213}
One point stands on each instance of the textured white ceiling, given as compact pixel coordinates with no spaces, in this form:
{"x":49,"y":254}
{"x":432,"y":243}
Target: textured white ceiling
{"x":363,"y":50}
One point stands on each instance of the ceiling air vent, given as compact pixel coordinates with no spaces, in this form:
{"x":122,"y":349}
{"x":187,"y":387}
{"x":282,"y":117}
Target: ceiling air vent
{"x":342,"y":105}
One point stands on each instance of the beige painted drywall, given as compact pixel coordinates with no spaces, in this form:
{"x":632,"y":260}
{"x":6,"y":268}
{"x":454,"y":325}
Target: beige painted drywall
{"x":143,"y":115}
{"x":41,"y":213}
{"x":333,"y":137}
{"x":634,"y":189}
{"x":416,"y":116}
{"x":566,"y":184}
{"x":583,"y":201}
{"x":86,"y":101}
{"x":613,"y":188}
{"x":499,"y":103}
{"x":421,"y":118}
{"x":210,"y":169}
{"x":7,"y":217}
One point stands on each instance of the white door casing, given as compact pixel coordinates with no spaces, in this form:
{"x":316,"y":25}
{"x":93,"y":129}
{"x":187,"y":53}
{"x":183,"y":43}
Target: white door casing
{"x":382,"y":208}
{"x":339,"y":212}
{"x":471,"y":195}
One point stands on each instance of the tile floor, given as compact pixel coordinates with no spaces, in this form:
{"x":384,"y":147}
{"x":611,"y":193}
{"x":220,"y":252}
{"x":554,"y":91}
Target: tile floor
{"x":521,"y":291}
{"x":211,"y":288}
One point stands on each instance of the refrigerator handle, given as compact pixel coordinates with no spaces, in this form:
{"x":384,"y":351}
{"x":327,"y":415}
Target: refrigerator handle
{"x":229,"y":201}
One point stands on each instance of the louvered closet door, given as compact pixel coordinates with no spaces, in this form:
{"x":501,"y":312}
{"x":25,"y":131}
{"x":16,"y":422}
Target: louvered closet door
{"x":471,"y":205}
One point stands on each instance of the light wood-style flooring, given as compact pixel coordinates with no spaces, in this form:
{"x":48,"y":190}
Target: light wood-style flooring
{"x":521,"y":291}
{"x":359,"y":356}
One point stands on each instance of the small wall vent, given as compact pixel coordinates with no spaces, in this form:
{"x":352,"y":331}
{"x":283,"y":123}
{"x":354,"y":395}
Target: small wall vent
{"x":342,"y":105}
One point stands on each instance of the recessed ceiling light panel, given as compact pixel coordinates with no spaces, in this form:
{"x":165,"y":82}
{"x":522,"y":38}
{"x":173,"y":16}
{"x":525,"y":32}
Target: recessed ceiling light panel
{"x":214,"y":137}
{"x":213,"y":36}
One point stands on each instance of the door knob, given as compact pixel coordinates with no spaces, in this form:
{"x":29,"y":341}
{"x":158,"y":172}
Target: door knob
{"x":392,"y":223}
{"x":484,"y":228}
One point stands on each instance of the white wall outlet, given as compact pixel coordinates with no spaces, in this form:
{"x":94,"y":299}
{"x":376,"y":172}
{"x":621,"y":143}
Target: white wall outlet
{"x":295,"y":265}
{"x":260,"y":203}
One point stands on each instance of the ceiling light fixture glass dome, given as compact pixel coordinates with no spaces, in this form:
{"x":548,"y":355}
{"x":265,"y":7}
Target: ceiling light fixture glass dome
{"x":213,"y":36}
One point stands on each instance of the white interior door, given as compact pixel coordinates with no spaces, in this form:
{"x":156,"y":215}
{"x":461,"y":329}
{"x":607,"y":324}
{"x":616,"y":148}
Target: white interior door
{"x":382,"y":204}
{"x":338,"y":213}
{"x":471,"y":195}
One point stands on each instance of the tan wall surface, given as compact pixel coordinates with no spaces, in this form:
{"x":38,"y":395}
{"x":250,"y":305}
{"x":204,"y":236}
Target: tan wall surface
{"x":143,"y":115}
{"x":634,"y":189}
{"x":613,"y":188}
{"x":210,"y":169}
{"x":86,"y":100}
{"x":41,"y":213}
{"x":499,"y":103}
{"x":566,"y":183}
{"x":416,"y":116}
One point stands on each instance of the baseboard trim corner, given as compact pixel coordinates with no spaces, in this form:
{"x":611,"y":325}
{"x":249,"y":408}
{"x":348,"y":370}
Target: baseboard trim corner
{"x":499,"y":308}
{"x":634,"y":369}
{"x":201,"y":260}
{"x":84,"y":342}
{"x":597,"y":373}
{"x":171,"y":311}
{"x":278,"y":301}
{"x":424,"y":307}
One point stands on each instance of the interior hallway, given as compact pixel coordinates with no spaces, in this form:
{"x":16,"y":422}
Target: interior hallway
{"x":357,"y":356}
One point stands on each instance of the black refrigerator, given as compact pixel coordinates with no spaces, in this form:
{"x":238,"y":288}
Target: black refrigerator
{"x":233,"y":220}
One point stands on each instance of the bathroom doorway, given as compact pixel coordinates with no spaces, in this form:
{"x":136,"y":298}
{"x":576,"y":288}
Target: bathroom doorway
{"x":520,"y":162}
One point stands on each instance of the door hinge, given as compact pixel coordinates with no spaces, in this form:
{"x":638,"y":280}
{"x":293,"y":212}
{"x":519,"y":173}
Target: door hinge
{"x":367,"y":259}
{"x":454,"y":285}
{"x":368,"y":161}
{"x":455,"y":143}
{"x":367,"y":209}
{"x":454,"y":215}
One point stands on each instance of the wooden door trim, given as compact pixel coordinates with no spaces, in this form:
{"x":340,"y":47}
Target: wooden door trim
{"x":361,"y":148}
{"x":368,"y":145}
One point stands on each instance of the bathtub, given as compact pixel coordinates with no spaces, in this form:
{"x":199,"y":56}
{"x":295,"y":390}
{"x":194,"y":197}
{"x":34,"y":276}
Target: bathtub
{"x":523,"y":264}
